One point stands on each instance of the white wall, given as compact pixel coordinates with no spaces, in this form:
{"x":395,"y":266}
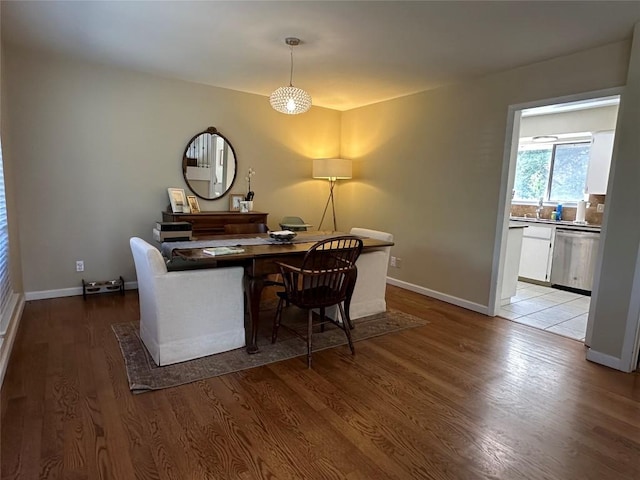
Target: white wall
{"x":97,"y":148}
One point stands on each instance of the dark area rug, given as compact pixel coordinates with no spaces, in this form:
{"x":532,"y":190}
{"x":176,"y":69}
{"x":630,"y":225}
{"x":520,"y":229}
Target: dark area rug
{"x":144,"y":375}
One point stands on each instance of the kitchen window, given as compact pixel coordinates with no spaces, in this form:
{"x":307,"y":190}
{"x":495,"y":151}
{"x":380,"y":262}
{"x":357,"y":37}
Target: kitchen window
{"x":554,"y":172}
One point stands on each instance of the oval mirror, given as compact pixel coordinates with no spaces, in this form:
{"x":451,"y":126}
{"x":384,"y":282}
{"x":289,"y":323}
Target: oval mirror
{"x":209,"y":164}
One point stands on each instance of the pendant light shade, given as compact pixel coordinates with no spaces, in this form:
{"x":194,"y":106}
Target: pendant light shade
{"x":290,"y":100}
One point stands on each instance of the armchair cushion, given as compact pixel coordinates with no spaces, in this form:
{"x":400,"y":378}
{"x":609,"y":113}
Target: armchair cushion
{"x":188,"y":314}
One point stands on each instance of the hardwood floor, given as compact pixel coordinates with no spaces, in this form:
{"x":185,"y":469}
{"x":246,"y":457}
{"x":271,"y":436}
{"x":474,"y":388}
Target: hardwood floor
{"x":465,"y":397}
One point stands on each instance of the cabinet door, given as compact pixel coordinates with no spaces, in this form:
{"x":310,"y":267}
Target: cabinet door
{"x":599,"y":162}
{"x":511,"y":263}
{"x":534,"y":260}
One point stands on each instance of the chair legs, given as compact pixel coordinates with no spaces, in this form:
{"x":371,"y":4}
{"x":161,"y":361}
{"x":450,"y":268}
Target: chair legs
{"x":309,"y":336}
{"x":345,"y":326}
{"x":276,"y":323}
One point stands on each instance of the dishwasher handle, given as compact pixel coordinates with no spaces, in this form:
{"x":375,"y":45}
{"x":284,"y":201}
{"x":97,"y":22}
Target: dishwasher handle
{"x":576,"y":234}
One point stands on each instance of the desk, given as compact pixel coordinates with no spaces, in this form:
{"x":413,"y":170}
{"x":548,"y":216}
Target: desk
{"x":258,"y":262}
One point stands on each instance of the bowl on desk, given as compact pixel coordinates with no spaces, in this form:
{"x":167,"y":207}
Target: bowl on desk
{"x":283,"y":235}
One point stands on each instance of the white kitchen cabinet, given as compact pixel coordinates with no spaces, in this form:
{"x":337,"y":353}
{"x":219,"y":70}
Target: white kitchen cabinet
{"x":599,"y":162}
{"x":512,"y":262}
{"x":537,"y":250}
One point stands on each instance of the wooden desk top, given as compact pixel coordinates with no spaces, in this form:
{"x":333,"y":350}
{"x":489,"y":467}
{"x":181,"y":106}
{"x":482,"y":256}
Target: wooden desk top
{"x":299,"y":246}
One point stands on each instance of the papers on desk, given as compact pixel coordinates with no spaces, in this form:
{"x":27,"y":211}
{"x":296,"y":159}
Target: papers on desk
{"x":217,"y":251}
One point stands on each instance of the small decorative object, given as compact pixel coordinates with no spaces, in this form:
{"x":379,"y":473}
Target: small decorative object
{"x":193,"y":203}
{"x":283,"y":235}
{"x":249,"y":196}
{"x":234,"y":201}
{"x":178,"y":200}
{"x":244,"y":206}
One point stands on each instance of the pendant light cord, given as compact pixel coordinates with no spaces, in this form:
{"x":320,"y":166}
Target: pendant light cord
{"x":291,"y":74}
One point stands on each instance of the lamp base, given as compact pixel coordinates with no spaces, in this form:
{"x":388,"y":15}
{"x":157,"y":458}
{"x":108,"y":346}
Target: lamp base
{"x":332,"y":183}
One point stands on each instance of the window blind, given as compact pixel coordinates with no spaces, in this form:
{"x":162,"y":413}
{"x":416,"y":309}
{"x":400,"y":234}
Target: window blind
{"x":5,"y":276}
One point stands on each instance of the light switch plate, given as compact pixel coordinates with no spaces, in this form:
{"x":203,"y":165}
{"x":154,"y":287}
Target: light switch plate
{"x":600,"y":208}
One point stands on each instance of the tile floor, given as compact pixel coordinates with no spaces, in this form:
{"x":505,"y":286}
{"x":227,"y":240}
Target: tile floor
{"x":545,"y":308}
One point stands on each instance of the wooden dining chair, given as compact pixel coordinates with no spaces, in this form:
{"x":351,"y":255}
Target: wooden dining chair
{"x":325,"y":278}
{"x":246,"y":228}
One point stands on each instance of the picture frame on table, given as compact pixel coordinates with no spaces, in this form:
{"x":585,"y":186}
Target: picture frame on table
{"x":193,"y":203}
{"x":234,"y":202}
{"x":178,"y":200}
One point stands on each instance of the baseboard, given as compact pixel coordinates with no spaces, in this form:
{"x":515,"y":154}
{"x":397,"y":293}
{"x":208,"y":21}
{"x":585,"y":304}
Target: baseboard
{"x":606,"y":360}
{"x":10,"y":335}
{"x":476,"y":307}
{"x":67,"y":292}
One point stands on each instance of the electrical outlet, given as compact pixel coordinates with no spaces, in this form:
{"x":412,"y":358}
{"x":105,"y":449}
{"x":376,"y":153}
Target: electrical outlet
{"x":393,"y":261}
{"x":600,"y":208}
{"x":79,"y":266}
{"x":398,"y":262}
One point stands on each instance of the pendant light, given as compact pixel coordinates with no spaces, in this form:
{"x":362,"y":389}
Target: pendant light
{"x":290,"y":100}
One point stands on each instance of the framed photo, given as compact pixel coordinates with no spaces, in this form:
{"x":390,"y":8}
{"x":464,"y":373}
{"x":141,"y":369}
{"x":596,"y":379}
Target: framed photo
{"x":178,"y":200}
{"x":193,"y":203}
{"x":234,"y":201}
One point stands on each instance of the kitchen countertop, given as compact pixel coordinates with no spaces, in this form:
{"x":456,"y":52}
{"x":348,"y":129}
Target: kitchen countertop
{"x":561,"y":224}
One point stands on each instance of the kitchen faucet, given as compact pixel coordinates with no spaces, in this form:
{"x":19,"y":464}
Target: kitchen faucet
{"x":539,"y":209}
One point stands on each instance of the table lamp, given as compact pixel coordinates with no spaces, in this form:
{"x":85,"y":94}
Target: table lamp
{"x":332,"y":169}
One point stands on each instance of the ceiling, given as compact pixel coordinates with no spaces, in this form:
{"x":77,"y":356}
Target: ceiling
{"x":353,"y":53}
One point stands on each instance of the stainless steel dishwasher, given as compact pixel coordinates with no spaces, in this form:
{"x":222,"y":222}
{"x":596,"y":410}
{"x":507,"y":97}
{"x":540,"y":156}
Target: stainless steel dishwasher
{"x":574,"y":258}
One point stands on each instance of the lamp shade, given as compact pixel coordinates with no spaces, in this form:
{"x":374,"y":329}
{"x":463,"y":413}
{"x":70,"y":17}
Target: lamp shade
{"x":332,"y":168}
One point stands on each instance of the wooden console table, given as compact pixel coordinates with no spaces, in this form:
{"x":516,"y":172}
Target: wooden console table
{"x":210,"y":224}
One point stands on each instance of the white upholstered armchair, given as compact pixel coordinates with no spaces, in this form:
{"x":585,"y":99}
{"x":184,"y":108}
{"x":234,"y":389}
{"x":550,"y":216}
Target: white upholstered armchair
{"x":369,"y":293}
{"x":187,"y":314}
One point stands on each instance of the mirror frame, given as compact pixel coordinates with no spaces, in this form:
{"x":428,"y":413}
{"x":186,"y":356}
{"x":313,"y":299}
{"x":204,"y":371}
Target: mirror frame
{"x":211,"y":131}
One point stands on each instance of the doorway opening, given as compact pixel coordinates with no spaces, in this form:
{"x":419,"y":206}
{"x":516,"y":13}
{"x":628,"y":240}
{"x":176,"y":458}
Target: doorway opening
{"x":558,"y":175}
